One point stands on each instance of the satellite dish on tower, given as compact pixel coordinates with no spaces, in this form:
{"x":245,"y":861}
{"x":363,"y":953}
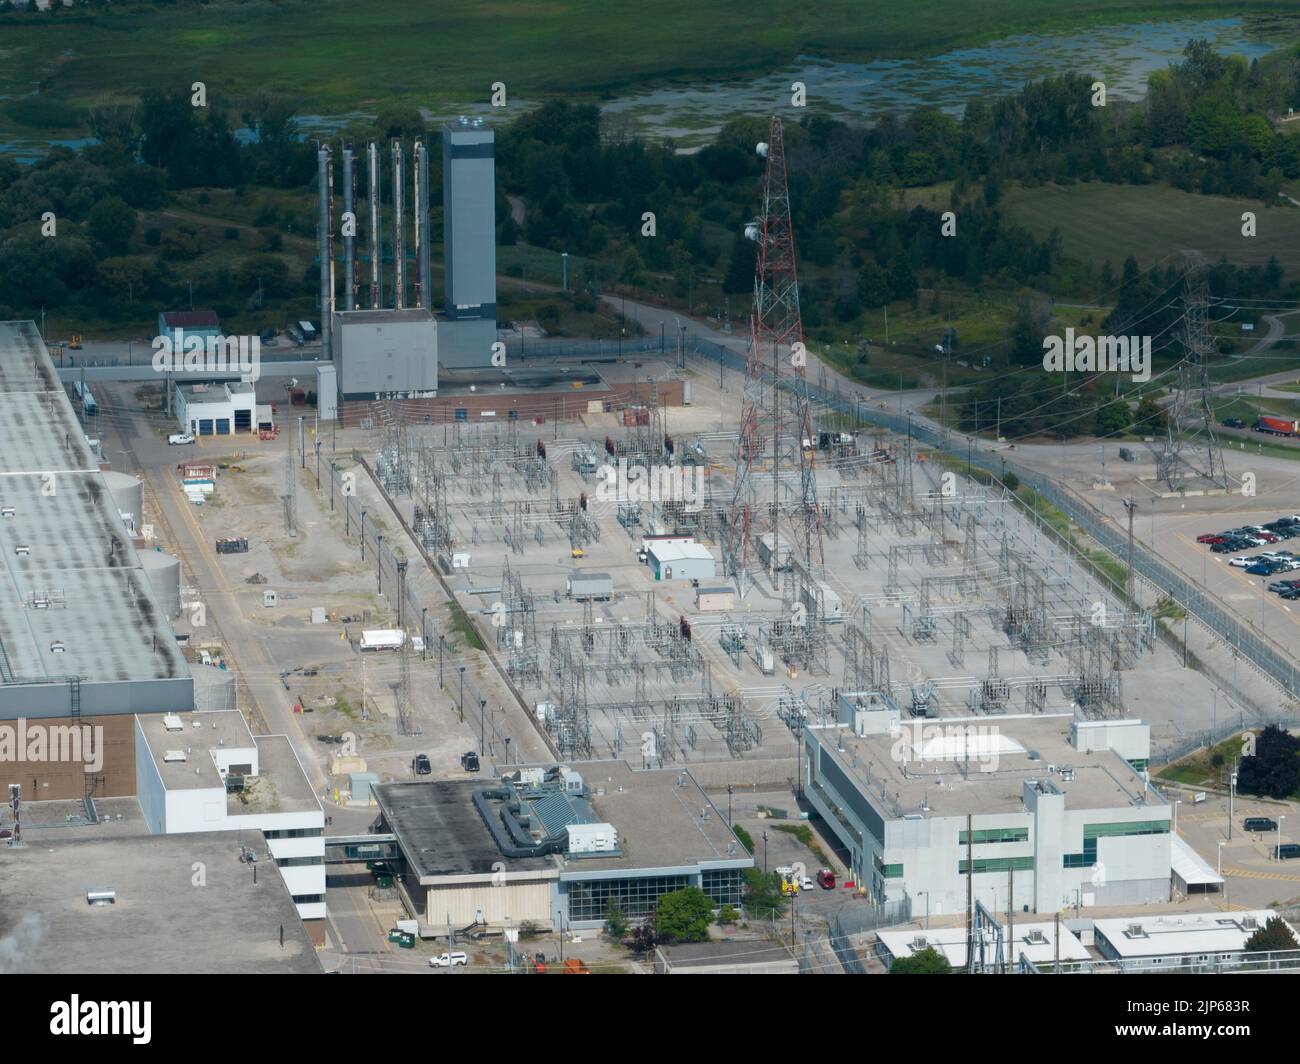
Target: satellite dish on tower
{"x":761,"y":149}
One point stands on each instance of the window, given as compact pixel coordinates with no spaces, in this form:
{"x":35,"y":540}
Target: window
{"x":637,"y":897}
{"x":888,"y":871}
{"x":986,"y":836}
{"x":308,"y":899}
{"x":1093,"y":832}
{"x":999,"y":864}
{"x":295,"y":833}
{"x":294,"y":862}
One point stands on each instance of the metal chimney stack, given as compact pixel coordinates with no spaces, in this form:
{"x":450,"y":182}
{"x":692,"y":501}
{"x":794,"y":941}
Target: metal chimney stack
{"x":421,"y":225}
{"x":325,"y":239}
{"x":373,"y":234}
{"x":399,"y":226}
{"x":349,"y":236}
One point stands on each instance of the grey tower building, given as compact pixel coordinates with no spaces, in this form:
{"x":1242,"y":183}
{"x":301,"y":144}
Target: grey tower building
{"x":469,"y":219}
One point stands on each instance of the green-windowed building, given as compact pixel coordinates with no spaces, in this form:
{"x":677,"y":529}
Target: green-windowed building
{"x":1049,"y":811}
{"x":555,"y":845}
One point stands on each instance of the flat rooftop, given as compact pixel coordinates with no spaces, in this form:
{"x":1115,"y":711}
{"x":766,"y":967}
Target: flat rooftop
{"x":1034,"y":941}
{"x":379,"y":317}
{"x":954,"y":766}
{"x":441,"y":832}
{"x":160,"y":923}
{"x":1217,"y":932}
{"x":660,"y":817}
{"x":281,"y":785}
{"x":79,"y":561}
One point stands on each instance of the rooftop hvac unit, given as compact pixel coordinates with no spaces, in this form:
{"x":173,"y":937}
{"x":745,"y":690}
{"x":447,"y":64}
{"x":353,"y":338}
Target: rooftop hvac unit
{"x":1036,"y":937}
{"x":173,"y":756}
{"x":101,"y":896}
{"x":172,"y":722}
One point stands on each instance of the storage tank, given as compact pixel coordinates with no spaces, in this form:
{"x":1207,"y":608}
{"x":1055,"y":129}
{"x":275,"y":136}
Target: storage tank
{"x":127,"y":494}
{"x":164,"y":573}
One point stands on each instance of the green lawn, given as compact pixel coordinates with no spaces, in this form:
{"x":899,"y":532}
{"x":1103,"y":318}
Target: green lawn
{"x":341,"y":55}
{"x":1150,"y":222}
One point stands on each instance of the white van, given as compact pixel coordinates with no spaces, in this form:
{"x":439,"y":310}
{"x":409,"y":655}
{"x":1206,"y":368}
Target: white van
{"x":180,"y":437}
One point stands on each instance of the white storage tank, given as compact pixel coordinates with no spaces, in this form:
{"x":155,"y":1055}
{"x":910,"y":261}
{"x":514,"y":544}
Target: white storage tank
{"x":127,"y":494}
{"x":164,"y":573}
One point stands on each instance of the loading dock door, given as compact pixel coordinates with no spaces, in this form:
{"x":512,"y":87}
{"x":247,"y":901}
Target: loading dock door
{"x":205,"y":426}
{"x":223,"y":426}
{"x":243,"y":421}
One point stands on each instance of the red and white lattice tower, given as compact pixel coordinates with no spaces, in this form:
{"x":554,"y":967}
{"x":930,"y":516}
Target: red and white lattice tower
{"x":776,"y":348}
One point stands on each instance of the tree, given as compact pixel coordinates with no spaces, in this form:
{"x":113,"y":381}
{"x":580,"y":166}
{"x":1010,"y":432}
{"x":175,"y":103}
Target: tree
{"x":928,"y":961}
{"x":763,"y":894}
{"x":1274,"y":769}
{"x":111,"y":224}
{"x":1113,"y":419}
{"x":1274,"y":935}
{"x":684,"y":915}
{"x":615,"y":921}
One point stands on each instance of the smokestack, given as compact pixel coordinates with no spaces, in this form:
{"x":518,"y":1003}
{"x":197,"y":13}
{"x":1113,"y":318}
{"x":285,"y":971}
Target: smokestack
{"x":399,"y":225}
{"x":421,"y":209}
{"x":349,"y":235}
{"x":373,"y":234}
{"x":325,"y":239}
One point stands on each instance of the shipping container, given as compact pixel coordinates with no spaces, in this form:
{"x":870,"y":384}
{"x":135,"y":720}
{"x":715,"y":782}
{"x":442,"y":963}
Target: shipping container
{"x":1278,"y":426}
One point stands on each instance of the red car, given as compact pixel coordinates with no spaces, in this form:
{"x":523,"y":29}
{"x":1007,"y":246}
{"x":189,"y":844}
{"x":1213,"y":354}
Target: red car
{"x":1209,"y":537}
{"x":826,"y":879}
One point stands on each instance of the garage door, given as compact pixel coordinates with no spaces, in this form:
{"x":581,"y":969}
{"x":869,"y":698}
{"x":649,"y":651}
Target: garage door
{"x":243,"y":421}
{"x":205,"y":426}
{"x":223,"y":426}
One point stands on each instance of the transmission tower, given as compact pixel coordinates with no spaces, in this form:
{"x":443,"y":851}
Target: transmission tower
{"x":290,"y":495}
{"x":1193,"y":406}
{"x":775,"y":334}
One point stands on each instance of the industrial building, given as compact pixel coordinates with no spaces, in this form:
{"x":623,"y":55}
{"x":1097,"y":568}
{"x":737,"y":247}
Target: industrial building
{"x":469,"y":240}
{"x":84,"y":629}
{"x":207,"y":772}
{"x":555,"y":845}
{"x":384,"y":353}
{"x":168,"y":904}
{"x":1034,"y":942}
{"x":670,"y":560}
{"x":1179,"y":941}
{"x":203,"y":324}
{"x":734,"y":957}
{"x":1042,"y":818}
{"x":219,"y":409}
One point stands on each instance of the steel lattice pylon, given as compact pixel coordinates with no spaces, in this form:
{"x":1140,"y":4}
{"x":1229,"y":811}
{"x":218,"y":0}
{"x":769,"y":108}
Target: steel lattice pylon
{"x":1192,"y":401}
{"x":775,"y":333}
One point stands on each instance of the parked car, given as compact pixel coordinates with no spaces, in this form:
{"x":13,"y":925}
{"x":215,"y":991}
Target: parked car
{"x":449,"y":960}
{"x":422,"y":766}
{"x":826,"y":879}
{"x":1287,"y":851}
{"x":179,"y":438}
{"x":1233,"y":423}
{"x":469,"y":761}
{"x":1242,"y":562}
{"x":1259,"y":823}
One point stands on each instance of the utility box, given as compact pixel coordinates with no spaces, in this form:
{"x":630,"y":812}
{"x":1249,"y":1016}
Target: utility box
{"x":269,"y":598}
{"x":598,"y":587}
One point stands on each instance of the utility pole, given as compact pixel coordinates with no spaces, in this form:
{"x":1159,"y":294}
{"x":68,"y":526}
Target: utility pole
{"x":1131,"y":507}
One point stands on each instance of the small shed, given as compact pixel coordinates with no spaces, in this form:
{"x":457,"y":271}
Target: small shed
{"x":598,"y":587}
{"x":681,"y":561}
{"x":360,"y":784}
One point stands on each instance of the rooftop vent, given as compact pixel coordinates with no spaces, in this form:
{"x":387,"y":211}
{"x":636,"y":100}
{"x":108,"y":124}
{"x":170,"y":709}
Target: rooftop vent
{"x":57,"y":647}
{"x":101,"y":896}
{"x":173,"y":723}
{"x":1036,"y":937}
{"x":173,"y":756}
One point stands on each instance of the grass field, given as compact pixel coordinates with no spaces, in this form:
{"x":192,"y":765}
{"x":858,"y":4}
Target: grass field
{"x":1152,"y":222}
{"x":339,"y":55}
